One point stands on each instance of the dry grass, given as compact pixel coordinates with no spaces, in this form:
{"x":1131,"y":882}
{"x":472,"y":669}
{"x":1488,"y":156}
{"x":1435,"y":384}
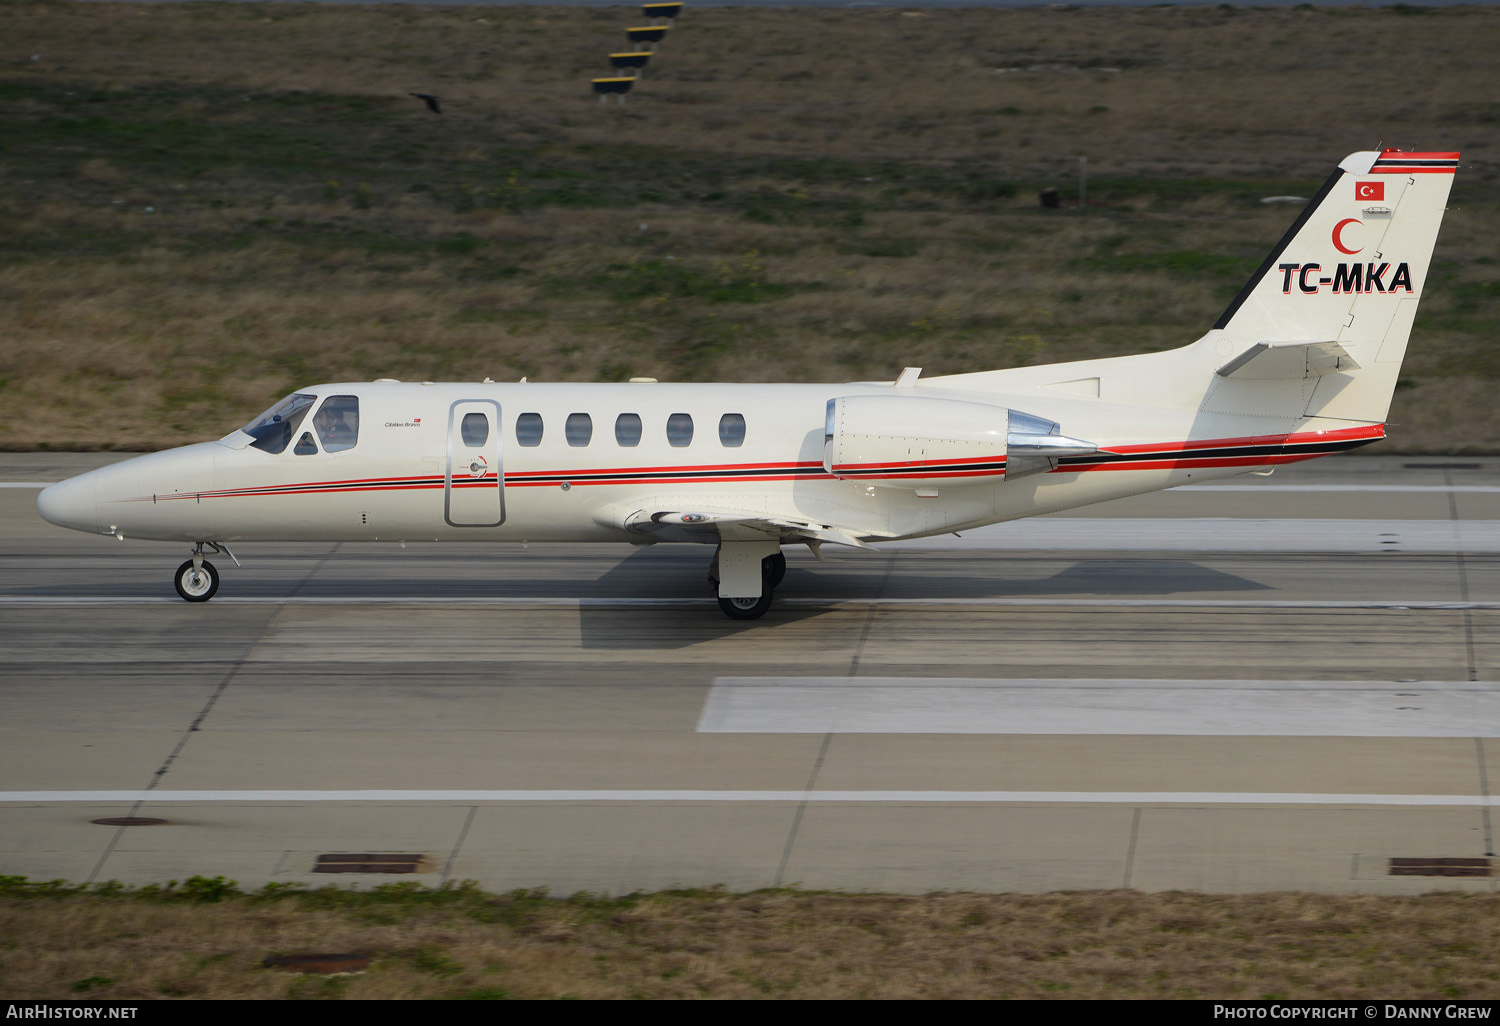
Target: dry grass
{"x":204,"y":206}
{"x":775,"y":944}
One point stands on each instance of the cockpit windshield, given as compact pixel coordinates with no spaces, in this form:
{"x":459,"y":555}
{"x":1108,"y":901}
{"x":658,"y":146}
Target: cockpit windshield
{"x":273,"y":429}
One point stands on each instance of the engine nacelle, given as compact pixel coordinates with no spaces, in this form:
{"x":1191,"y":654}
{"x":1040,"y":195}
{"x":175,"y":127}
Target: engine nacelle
{"x":898,"y":441}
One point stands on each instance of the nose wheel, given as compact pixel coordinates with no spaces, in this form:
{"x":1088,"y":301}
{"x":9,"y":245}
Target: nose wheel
{"x":197,"y":580}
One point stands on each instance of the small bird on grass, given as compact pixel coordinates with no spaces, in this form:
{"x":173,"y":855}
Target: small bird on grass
{"x":430,"y":100}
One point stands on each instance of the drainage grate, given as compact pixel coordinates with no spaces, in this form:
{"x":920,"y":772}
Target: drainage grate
{"x":129,"y":821}
{"x":381,"y":862}
{"x":1440,"y":867}
{"x":1440,"y":466}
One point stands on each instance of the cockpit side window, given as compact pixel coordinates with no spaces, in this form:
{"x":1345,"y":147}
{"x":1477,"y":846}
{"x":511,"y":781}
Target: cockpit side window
{"x":272,"y":431}
{"x":305,"y":445}
{"x":337,"y":421}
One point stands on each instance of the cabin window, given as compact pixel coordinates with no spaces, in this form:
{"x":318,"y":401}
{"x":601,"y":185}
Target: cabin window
{"x":305,"y":445}
{"x":579,"y":429}
{"x":529,"y":429}
{"x":475,"y":429}
{"x":732,"y":430}
{"x":337,"y":421}
{"x":679,"y":430}
{"x":628,"y":430}
{"x":273,"y":430}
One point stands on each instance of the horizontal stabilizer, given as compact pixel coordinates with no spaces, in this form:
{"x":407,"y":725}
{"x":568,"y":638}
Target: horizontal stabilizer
{"x":1276,"y":361}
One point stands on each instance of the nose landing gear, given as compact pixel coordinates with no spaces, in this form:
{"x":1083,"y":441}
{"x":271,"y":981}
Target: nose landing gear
{"x":197,"y":580}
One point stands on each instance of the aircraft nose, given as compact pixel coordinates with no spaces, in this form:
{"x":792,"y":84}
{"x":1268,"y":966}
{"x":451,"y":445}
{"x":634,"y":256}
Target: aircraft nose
{"x":70,"y":503}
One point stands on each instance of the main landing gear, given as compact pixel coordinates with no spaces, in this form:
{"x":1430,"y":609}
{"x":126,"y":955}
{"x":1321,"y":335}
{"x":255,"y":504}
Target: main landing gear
{"x":197,"y":580}
{"x":746,"y":608}
{"x":745,"y":573}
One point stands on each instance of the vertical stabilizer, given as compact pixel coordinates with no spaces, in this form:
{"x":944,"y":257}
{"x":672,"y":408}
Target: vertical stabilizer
{"x":1350,"y":272}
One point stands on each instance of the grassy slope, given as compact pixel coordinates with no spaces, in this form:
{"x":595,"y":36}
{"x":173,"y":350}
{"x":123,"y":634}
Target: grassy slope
{"x":197,"y":942}
{"x":204,"y":206}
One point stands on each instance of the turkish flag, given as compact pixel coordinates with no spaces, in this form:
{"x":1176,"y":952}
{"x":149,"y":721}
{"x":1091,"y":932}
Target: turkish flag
{"x":1369,"y":190}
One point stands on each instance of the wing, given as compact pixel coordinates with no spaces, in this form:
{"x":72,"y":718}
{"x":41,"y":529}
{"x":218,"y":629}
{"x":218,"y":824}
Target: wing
{"x":678,"y":521}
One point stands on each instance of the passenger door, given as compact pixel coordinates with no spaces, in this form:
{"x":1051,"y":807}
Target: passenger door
{"x":474,"y":486}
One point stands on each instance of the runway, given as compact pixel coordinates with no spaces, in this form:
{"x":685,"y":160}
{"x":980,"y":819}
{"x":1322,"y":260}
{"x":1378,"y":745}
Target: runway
{"x":1266,"y":683}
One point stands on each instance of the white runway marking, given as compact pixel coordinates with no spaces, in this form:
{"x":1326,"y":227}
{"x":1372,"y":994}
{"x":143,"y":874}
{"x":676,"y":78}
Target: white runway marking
{"x":26,"y":484}
{"x":1238,"y":708}
{"x":1220,"y":534}
{"x":899,"y":797}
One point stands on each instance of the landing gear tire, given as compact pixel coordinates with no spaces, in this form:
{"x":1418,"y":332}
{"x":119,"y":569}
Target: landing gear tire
{"x":746,"y":608}
{"x":197,"y":585}
{"x":773,"y":569}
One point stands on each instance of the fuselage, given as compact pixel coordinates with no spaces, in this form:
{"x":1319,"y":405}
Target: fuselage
{"x":576,"y":462}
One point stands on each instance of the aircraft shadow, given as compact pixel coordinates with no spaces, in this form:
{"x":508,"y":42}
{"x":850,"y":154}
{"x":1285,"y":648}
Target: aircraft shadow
{"x":657,"y":574}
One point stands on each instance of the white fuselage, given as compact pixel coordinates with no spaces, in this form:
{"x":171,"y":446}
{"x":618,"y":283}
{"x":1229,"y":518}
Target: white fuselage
{"x":412,"y":474}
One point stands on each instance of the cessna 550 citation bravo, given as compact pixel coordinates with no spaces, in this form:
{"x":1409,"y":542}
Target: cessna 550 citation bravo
{"x":1302,"y":363}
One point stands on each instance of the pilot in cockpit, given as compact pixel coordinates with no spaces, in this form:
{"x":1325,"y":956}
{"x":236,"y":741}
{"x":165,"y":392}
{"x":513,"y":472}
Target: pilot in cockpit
{"x":333,"y":427}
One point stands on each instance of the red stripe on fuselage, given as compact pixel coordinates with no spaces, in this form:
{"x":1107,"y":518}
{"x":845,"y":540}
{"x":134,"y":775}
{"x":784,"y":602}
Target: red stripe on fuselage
{"x":720,"y":474}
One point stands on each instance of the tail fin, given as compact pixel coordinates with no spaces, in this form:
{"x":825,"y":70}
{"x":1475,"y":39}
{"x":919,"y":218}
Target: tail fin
{"x":1337,"y":297}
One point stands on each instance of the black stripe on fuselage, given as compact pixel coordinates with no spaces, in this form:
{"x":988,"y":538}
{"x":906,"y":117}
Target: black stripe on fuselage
{"x":598,"y":476}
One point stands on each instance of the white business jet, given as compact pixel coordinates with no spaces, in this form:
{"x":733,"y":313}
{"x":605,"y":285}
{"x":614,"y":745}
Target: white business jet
{"x":1302,"y":363}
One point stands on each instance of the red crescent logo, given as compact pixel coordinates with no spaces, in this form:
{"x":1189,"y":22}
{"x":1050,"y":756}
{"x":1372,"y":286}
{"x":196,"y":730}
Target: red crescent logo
{"x":1338,"y":243}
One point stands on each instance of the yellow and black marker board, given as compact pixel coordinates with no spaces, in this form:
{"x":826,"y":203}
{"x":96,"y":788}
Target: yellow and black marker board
{"x":648,"y":34}
{"x":630,"y":60}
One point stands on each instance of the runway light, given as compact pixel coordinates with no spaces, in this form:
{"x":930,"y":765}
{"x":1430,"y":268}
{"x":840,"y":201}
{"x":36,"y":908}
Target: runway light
{"x":668,"y":11}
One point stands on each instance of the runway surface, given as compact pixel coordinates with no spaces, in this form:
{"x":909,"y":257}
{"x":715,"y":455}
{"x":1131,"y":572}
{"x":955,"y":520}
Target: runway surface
{"x":1266,"y":683}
